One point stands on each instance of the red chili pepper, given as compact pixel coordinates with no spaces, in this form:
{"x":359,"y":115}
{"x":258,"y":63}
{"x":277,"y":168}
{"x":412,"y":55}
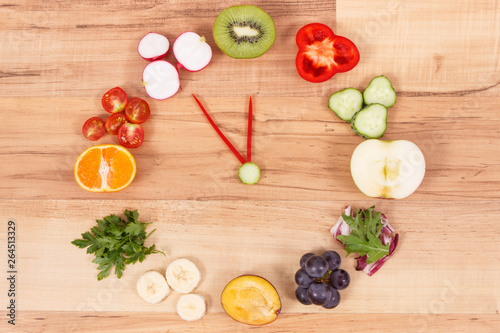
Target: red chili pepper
{"x":222,"y":136}
{"x":322,"y":54}
{"x":249,"y":134}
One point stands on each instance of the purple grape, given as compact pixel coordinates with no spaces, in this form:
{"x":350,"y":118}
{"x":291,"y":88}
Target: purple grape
{"x":340,"y":279}
{"x":333,"y":259}
{"x":319,"y":293}
{"x":301,"y":295}
{"x":316,"y":266}
{"x":303,"y":279}
{"x":304,"y":258}
{"x":334,"y":300}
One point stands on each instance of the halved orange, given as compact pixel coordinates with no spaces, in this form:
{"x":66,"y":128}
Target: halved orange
{"x":105,"y":168}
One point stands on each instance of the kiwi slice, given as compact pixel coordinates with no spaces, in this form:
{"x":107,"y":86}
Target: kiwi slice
{"x":244,"y":31}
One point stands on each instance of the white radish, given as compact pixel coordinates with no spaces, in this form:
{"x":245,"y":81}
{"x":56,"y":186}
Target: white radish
{"x":153,"y":46}
{"x":161,"y":79}
{"x":192,"y":51}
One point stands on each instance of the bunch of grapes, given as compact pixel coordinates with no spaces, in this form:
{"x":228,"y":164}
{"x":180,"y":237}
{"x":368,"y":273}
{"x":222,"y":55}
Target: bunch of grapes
{"x":320,"y":279}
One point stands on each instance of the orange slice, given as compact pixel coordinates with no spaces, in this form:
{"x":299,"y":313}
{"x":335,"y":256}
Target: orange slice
{"x":105,"y":168}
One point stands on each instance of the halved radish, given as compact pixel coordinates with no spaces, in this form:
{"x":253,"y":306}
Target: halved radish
{"x":153,"y":46}
{"x":161,"y":79}
{"x":192,"y":51}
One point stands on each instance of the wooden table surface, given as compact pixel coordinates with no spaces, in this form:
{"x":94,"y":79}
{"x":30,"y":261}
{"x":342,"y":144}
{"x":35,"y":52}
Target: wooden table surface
{"x":58,"y":57}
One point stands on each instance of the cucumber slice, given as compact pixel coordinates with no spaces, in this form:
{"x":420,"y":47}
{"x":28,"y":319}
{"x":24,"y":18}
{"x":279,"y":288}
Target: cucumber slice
{"x":346,"y":103}
{"x":370,"y":122}
{"x":380,"y":91}
{"x":249,"y":173}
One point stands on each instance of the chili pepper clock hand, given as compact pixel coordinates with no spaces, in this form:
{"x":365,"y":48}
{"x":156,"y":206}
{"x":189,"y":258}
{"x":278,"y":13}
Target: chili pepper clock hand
{"x":249,"y":173}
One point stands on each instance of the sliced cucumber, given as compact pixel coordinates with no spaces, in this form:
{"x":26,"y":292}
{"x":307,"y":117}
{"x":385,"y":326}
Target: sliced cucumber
{"x":380,"y":91}
{"x":346,"y":103}
{"x":370,"y":122}
{"x":249,"y":173}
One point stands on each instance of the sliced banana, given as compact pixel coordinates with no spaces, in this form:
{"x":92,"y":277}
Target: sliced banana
{"x":153,"y":287}
{"x":183,"y":276}
{"x":191,"y":307}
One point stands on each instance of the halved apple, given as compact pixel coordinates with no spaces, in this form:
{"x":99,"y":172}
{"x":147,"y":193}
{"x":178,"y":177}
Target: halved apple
{"x":251,"y":300}
{"x":389,"y":169}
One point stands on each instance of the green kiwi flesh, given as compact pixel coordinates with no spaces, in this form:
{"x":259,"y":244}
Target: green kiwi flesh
{"x":244,"y":31}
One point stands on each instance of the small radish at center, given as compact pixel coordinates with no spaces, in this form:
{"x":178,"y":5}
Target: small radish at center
{"x":192,"y":51}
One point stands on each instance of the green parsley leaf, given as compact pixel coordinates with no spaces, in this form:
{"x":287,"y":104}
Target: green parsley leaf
{"x":116,"y":242}
{"x":134,"y":228}
{"x":364,"y":237}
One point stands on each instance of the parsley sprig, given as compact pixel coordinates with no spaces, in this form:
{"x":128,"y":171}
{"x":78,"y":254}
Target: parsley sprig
{"x":364,"y":238}
{"x":116,"y":242}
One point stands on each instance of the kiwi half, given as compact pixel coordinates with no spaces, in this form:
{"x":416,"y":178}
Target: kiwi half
{"x":244,"y":31}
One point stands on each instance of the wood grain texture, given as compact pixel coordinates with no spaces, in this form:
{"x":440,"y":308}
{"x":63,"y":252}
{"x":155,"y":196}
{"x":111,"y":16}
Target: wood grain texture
{"x":97,"y":322}
{"x":443,"y":265}
{"x":304,"y":150}
{"x":443,"y":48}
{"x":57,"y":58}
{"x":57,"y":48}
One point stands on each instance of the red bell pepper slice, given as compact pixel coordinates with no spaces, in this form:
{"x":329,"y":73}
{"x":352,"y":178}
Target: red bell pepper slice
{"x":322,"y":54}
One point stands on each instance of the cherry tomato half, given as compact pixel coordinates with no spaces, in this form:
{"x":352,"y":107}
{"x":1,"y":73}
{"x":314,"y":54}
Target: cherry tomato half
{"x":115,"y":100}
{"x":322,"y":54}
{"x":114,"y":122}
{"x":93,"y":129}
{"x":137,"y":110}
{"x":131,"y":135}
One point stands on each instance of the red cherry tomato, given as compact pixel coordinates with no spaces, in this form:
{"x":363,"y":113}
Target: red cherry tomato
{"x":131,"y":135}
{"x":137,"y":110}
{"x":322,"y":54}
{"x":115,"y":100}
{"x":93,"y":129}
{"x":114,"y":122}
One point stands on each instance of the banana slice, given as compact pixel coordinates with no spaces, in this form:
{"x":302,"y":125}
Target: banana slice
{"x":183,"y":276}
{"x":153,"y":287}
{"x":191,"y":307}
